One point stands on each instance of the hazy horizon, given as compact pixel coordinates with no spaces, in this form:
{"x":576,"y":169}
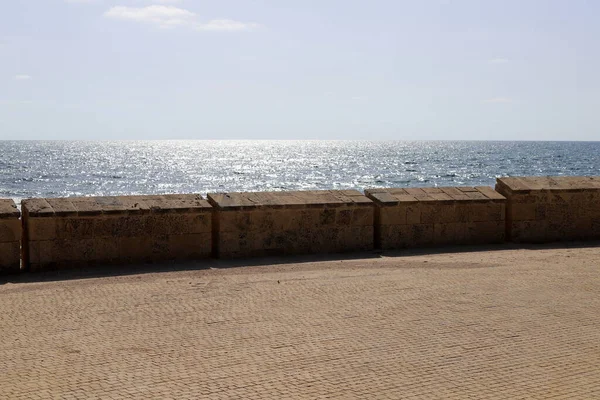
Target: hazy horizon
{"x":297,"y":140}
{"x":301,"y":70}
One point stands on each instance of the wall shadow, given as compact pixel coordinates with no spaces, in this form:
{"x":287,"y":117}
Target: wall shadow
{"x":102,"y":271}
{"x":489,"y":247}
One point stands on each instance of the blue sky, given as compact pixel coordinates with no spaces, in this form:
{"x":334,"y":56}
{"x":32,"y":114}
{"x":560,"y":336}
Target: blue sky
{"x":301,"y":69}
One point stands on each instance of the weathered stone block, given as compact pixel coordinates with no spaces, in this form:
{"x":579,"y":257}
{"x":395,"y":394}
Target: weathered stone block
{"x":358,"y":237}
{"x":115,"y":230}
{"x":481,"y":212}
{"x":444,"y":233}
{"x":327,"y":217}
{"x":135,"y":249}
{"x":10,"y":257}
{"x":10,"y":230}
{"x":413,"y":213}
{"x":485,"y":232}
{"x":10,"y":237}
{"x":420,"y":217}
{"x":422,"y":234}
{"x":344,"y":217}
{"x":393,"y":215}
{"x":526,"y":212}
{"x":275,"y":223}
{"x":545,"y":209}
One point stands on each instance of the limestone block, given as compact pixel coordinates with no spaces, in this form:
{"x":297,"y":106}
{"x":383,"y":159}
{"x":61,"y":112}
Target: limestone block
{"x":358,"y":237}
{"x":485,"y":232}
{"x":434,"y":212}
{"x":393,"y":215}
{"x":119,"y":226}
{"x":344,"y":216}
{"x":413,"y":214}
{"x":161,"y":248}
{"x":235,"y":220}
{"x":480,"y":212}
{"x":10,"y":257}
{"x":178,"y":223}
{"x":107,"y":250}
{"x":116,"y":230}
{"x":550,"y":208}
{"x":444,"y":233}
{"x":49,"y":251}
{"x":76,"y":227}
{"x":10,"y":237}
{"x":397,"y":237}
{"x":262,"y":221}
{"x":422,"y":234}
{"x":525,"y":212}
{"x":270,"y":223}
{"x":286,"y":220}
{"x":420,"y":217}
{"x":528,"y":231}
{"x":84,"y":250}
{"x":362,"y":216}
{"x":10,"y":230}
{"x":135,"y":249}
{"x":308,"y":218}
{"x":327,"y":216}
{"x":460,"y":233}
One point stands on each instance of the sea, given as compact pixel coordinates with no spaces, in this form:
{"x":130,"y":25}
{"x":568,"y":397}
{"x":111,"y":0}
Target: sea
{"x":106,"y":168}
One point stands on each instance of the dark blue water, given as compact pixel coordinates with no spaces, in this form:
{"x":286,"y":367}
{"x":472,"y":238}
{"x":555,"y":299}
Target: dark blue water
{"x":57,"y":169}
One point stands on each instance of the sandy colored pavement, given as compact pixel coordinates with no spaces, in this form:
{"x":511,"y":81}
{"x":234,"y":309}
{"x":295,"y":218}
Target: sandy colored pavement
{"x":498,"y":324}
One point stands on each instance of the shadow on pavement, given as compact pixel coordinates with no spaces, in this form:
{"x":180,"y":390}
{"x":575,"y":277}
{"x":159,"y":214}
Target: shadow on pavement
{"x":101,"y":271}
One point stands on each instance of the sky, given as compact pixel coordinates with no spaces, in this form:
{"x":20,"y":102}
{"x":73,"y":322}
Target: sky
{"x":300,"y":69}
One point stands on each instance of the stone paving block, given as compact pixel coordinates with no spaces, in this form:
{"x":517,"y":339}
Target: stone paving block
{"x":10,"y":237}
{"x":547,"y":209}
{"x":115,"y":230}
{"x":275,"y":223}
{"x":422,"y":217}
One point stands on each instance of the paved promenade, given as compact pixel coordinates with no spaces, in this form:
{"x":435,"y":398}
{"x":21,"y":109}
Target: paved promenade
{"x":499,"y":324}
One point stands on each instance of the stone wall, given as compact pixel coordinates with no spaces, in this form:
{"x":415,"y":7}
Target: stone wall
{"x":277,"y":223}
{"x":83,"y":231}
{"x":546,"y":209}
{"x":10,"y":237}
{"x":79,"y":231}
{"x":422,"y":217}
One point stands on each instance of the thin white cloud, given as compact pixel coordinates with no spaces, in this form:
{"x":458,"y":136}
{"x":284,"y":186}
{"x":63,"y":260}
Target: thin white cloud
{"x":498,"y":61}
{"x":81,"y":1}
{"x":499,"y":100}
{"x":167,"y":16}
{"x":163,"y":16}
{"x":226,"y":25}
{"x":15,"y":102}
{"x":23,"y":77}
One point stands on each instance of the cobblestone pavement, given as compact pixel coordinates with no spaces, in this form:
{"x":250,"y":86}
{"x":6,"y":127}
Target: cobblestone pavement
{"x":505,"y":324}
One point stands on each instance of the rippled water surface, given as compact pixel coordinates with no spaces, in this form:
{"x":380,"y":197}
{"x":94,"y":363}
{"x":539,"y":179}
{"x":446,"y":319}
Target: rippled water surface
{"x":57,"y":169}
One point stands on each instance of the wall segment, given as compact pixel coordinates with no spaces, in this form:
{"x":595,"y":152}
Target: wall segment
{"x":83,"y":231}
{"x":546,"y":209}
{"x":80,"y":231}
{"x":423,"y":217}
{"x":10,"y":237}
{"x":278,"y":223}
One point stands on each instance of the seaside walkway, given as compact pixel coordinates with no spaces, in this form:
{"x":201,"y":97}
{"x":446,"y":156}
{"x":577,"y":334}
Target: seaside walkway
{"x":503,"y":323}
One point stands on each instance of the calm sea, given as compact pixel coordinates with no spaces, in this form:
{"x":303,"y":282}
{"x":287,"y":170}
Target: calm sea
{"x":77,"y":168}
